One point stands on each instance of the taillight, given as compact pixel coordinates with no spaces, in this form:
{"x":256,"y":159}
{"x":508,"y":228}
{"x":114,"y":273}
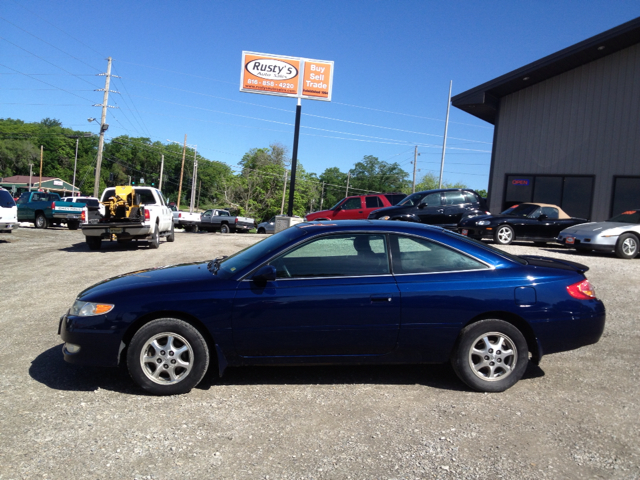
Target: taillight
{"x":582,"y":290}
{"x":53,"y":205}
{"x":179,"y":215}
{"x":146,"y":214}
{"x":236,"y":220}
{"x":83,"y":217}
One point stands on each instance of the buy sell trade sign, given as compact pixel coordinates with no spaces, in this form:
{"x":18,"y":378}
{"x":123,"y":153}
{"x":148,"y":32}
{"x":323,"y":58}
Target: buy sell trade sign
{"x":286,"y":76}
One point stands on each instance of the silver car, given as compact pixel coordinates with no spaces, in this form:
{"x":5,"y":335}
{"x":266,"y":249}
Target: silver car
{"x":267,"y":227}
{"x":620,"y":234}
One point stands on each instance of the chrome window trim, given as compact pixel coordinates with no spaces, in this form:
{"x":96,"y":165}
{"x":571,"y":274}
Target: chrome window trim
{"x":323,"y":278}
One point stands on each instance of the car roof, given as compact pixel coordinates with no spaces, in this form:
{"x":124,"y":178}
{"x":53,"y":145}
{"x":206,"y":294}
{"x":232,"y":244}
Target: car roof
{"x":561,"y":213}
{"x":329,"y":225}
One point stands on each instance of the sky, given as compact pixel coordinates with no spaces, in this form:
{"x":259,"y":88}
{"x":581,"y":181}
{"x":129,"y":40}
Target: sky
{"x":179,"y":65}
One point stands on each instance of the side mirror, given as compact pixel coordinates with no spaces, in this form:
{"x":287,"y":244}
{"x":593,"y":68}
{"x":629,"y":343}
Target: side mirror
{"x":266,"y":273}
{"x":542,"y":217}
{"x":422,"y":205}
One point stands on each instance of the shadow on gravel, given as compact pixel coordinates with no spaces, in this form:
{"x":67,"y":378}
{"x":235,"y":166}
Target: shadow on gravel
{"x":50,"y":369}
{"x":107,"y":247}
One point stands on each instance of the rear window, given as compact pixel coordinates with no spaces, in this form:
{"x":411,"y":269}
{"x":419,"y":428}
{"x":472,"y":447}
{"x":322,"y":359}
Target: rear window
{"x":6,"y":200}
{"x":92,"y":202}
{"x":395,"y":198}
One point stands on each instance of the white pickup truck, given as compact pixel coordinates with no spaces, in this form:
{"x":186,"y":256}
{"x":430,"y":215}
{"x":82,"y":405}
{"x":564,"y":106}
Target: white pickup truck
{"x":155,"y":221}
{"x":188,"y":221}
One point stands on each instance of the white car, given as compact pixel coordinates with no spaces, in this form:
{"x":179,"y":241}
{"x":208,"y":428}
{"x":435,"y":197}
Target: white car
{"x":91,"y":201}
{"x":8,"y":212}
{"x":620,"y":234}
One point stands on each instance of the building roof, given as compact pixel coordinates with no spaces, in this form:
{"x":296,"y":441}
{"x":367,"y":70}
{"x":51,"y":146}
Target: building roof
{"x":482,"y":101}
{"x":18,"y":179}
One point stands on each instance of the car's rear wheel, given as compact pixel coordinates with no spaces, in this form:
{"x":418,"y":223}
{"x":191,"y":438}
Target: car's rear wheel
{"x":73,"y":225}
{"x":262,"y":231}
{"x":94,"y":243}
{"x":627,"y":246}
{"x":172,"y":236}
{"x":490,"y":355}
{"x":224,"y":228}
{"x":41,"y":221}
{"x":167,"y":357}
{"x":504,"y":235}
{"x":155,"y":238}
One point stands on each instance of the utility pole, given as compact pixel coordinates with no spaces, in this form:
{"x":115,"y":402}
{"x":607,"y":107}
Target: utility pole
{"x":30,"y":175}
{"x":41,"y":155}
{"x":415,"y":162}
{"x":103,"y":125}
{"x":161,"y":170}
{"x":346,"y":194}
{"x":194,"y":178}
{"x":284,"y":191}
{"x":446,"y":127}
{"x":75,"y":163}
{"x":129,"y":180}
{"x":321,"y":196}
{"x":184,"y":152}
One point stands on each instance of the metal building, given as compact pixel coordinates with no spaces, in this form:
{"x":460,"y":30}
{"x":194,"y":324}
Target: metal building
{"x":567,"y":127}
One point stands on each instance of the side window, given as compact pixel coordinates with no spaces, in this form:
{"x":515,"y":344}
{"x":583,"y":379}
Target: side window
{"x":550,"y":212}
{"x":373,"y":202}
{"x":344,"y":255}
{"x":160,"y":197}
{"x":470,"y":197}
{"x":207,"y":213}
{"x":454,"y":198}
{"x":535,"y":214}
{"x":432,"y":199}
{"x":418,"y":255}
{"x":24,"y":198}
{"x":223,"y":213}
{"x":352,"y":204}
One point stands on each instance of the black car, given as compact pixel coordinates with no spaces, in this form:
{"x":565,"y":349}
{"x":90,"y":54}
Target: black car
{"x":537,"y":222}
{"x":444,"y":207}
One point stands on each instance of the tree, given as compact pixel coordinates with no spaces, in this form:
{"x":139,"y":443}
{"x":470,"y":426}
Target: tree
{"x":430,"y":182}
{"x":372,"y":174}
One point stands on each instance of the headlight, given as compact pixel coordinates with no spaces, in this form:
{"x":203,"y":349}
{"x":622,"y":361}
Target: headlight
{"x":87,"y":309}
{"x":483,"y":222}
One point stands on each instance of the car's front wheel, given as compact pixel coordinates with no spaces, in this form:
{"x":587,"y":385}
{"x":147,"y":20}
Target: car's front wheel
{"x":627,"y":246}
{"x":490,"y":355}
{"x":504,"y":235}
{"x":167,"y":356}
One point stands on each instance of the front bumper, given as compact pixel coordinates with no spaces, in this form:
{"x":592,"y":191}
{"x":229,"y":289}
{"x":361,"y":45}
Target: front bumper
{"x":97,"y":347}
{"x":475,"y":231}
{"x":588,"y":242}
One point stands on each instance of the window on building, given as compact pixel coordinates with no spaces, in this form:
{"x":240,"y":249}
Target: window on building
{"x":626,"y":194}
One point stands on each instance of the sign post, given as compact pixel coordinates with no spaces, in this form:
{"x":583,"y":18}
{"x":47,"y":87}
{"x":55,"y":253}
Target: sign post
{"x":287,"y":77}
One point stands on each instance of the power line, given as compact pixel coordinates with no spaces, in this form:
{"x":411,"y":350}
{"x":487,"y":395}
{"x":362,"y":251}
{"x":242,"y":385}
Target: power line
{"x":46,"y":83}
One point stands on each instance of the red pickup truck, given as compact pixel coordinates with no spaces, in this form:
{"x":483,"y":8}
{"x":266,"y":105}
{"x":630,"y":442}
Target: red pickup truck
{"x":356,"y":207}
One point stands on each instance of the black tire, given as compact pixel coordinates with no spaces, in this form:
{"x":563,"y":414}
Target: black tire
{"x":172,"y":236}
{"x":175,"y":341}
{"x":262,"y":231}
{"x":504,"y":235}
{"x":627,"y":246}
{"x":94,"y":243}
{"x":73,"y":225}
{"x":194,"y":228}
{"x":154,"y":242}
{"x":41,"y":221}
{"x":491,"y":371}
{"x":540,"y":244}
{"x":224,"y":228}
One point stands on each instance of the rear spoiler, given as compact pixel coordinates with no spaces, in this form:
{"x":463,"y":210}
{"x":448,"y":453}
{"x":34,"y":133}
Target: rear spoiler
{"x":539,"y":261}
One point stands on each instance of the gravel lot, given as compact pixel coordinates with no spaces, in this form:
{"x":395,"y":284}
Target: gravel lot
{"x":575,"y":416}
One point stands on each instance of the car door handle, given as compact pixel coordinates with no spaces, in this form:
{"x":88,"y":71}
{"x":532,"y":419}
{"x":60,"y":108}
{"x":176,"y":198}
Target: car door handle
{"x":381,"y":298}
{"x":441,"y":210}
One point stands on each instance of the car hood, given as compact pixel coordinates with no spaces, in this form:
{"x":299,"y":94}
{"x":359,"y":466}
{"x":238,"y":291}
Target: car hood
{"x":381,"y":212}
{"x":612,"y":228}
{"x":171,"y":278}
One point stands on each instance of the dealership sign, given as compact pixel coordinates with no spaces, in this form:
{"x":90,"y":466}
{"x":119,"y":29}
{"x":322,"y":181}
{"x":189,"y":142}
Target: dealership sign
{"x":286,"y":76}
{"x":522,"y":181}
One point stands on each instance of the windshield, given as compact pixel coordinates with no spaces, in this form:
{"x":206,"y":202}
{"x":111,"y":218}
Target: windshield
{"x":521,"y":210}
{"x":631,"y":216}
{"x":412,"y":200}
{"x":234,"y":263}
{"x":336,"y":205}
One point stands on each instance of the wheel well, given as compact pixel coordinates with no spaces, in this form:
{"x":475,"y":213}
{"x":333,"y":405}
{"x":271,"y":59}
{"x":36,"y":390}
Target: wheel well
{"x":142,"y":321}
{"x":635,"y":234}
{"x":517,"y":322}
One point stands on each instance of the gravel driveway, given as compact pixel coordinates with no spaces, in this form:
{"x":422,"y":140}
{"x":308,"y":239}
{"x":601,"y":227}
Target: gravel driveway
{"x":575,"y":416}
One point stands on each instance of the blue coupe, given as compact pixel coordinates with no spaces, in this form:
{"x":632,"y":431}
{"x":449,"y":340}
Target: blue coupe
{"x":349,"y":292}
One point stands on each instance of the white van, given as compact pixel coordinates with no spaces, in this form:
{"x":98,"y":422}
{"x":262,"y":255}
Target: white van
{"x":8,"y":212}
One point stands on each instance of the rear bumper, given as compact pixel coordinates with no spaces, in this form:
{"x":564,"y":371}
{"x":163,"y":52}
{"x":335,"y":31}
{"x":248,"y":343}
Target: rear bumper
{"x":121,"y":229}
{"x":9,"y":225}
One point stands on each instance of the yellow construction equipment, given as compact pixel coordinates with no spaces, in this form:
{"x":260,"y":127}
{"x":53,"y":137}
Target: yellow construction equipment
{"x":123,"y":205}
